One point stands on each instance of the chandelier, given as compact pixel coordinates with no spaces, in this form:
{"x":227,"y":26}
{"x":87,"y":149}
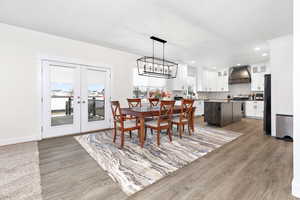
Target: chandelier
{"x":157,"y":67}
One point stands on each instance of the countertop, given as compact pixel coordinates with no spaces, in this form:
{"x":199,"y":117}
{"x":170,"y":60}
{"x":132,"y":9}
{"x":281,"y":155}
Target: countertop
{"x":220,"y":100}
{"x":223,"y":100}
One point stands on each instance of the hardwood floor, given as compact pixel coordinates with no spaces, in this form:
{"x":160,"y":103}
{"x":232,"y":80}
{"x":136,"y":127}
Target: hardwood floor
{"x":254,"y":166}
{"x":68,"y":172}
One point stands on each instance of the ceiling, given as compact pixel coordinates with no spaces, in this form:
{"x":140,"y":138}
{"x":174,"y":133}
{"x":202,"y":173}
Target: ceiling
{"x":209,"y":33}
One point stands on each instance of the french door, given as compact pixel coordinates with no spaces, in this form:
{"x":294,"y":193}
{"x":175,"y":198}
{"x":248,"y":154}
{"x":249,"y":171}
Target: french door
{"x":75,"y":98}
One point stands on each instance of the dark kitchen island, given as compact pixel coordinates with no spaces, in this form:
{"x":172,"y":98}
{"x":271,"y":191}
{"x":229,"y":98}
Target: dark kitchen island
{"x":222,"y":113}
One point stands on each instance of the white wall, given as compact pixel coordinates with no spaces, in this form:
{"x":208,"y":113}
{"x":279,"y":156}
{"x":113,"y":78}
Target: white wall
{"x":296,"y":90}
{"x":281,"y":63}
{"x":20,"y":76}
{"x":296,"y":143}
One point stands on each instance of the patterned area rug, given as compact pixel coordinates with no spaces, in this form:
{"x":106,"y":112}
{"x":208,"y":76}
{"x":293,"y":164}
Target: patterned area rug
{"x":19,"y":172}
{"x":135,"y":168}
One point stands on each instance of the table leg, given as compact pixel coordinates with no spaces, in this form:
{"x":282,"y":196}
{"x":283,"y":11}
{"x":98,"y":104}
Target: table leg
{"x":142,"y":131}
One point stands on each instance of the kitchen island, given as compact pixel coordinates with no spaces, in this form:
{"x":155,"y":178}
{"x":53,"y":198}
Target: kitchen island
{"x":222,"y":113}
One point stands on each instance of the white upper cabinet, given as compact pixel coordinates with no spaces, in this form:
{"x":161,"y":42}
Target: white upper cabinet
{"x":200,"y":82}
{"x":212,"y":81}
{"x":180,"y":82}
{"x":258,"y":72}
{"x":222,"y":81}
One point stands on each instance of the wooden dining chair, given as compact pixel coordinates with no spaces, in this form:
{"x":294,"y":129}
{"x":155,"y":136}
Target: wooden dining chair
{"x":122,"y":123}
{"x":133,"y":103}
{"x":164,"y":120}
{"x":184,"y":116}
{"x":153,"y":101}
{"x":136,"y":102}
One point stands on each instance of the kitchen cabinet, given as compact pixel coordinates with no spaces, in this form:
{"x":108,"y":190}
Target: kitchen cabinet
{"x":258,"y":72}
{"x":260,"y":109}
{"x":222,"y":113}
{"x":212,"y":81}
{"x":254,"y":109}
{"x":222,"y":81}
{"x":207,"y":81}
{"x":200,"y":82}
{"x":180,"y":82}
{"x":199,"y":104}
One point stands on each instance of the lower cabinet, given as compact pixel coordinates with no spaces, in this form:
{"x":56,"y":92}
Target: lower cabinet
{"x":222,"y":113}
{"x":255,"y":109}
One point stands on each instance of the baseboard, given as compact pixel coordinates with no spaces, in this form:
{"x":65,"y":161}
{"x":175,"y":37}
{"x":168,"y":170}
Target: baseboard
{"x":251,"y":117}
{"x":19,"y":140}
{"x":295,"y":189}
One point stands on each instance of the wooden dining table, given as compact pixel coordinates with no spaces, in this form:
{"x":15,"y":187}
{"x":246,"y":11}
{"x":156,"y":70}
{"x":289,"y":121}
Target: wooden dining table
{"x":151,"y":111}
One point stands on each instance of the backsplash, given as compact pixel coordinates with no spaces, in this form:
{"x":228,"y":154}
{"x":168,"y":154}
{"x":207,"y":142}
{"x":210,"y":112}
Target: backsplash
{"x":234,"y":90}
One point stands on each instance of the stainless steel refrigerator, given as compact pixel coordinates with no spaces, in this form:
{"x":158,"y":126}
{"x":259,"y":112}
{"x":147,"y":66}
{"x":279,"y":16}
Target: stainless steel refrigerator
{"x":267,"y":105}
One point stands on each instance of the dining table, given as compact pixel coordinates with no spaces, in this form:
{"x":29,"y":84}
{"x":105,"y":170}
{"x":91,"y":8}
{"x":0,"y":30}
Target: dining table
{"x":151,"y":111}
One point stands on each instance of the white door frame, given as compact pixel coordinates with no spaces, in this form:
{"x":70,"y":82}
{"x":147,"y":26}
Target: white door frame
{"x":53,"y":131}
{"x":42,"y":58}
{"x":94,"y":125}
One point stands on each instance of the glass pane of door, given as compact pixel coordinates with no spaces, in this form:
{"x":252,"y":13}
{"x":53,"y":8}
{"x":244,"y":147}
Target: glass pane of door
{"x":62,"y":95}
{"x":96,"y":95}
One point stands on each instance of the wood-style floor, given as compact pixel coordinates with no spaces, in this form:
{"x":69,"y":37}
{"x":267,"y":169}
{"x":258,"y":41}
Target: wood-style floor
{"x":254,"y":166}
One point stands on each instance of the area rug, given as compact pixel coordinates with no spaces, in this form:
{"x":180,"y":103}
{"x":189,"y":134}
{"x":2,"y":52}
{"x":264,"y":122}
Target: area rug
{"x":134,"y":167}
{"x":19,"y":172}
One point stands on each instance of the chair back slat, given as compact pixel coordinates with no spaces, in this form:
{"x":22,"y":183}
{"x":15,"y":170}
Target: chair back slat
{"x":166,"y":111}
{"x":134,"y":103}
{"x":186,"y":109}
{"x":116,"y":110}
{"x":153,"y":101}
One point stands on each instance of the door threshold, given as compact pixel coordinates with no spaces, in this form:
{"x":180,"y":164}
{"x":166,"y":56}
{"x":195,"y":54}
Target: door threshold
{"x":76,"y":134}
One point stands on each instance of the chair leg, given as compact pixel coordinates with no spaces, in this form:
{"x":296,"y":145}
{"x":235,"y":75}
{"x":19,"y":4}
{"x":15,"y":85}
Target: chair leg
{"x":145,"y":134}
{"x":115,"y":133}
{"x":151,"y":131}
{"x":170,"y":133}
{"x":122,"y":139}
{"x":158,"y":137}
{"x":180,"y":131}
{"x":130,"y":134}
{"x":189,"y":129}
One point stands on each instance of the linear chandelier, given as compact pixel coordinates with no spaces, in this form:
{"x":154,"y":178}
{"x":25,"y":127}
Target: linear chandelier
{"x":157,"y":67}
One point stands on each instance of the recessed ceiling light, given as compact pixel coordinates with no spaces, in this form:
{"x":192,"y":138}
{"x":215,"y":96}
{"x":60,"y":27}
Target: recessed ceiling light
{"x":214,"y":68}
{"x":257,"y":48}
{"x":264,"y":54}
{"x":238,"y":64}
{"x":193,"y":61}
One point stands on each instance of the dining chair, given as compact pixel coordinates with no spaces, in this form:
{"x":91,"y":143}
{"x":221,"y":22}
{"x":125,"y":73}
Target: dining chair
{"x":122,"y":123}
{"x":133,"y":103}
{"x":184,"y":116}
{"x":164,"y":120}
{"x":153,"y":101}
{"x":136,"y":102}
